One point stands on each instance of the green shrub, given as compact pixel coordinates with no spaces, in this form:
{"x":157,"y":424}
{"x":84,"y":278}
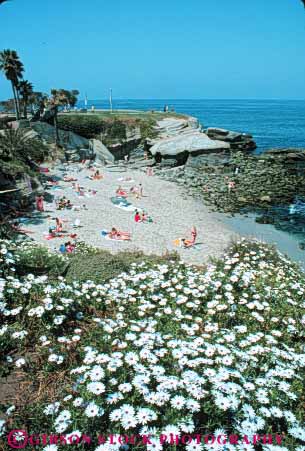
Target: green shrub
{"x":36,"y":259}
{"x":100,"y":266}
{"x":113,"y":129}
{"x":87,"y":126}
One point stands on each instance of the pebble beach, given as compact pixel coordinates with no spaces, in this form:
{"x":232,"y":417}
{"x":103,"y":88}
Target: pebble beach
{"x":172,"y":211}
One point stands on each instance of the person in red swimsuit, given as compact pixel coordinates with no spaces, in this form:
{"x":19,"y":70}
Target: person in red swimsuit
{"x":137,"y":216}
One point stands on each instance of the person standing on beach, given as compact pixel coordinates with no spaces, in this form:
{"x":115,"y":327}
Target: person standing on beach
{"x":140,"y":190}
{"x":39,"y":203}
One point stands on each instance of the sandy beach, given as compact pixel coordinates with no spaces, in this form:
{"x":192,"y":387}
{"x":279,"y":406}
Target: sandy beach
{"x":173,"y":215}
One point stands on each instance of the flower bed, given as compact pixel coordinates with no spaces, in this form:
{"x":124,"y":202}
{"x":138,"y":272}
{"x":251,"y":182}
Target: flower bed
{"x":164,"y":349}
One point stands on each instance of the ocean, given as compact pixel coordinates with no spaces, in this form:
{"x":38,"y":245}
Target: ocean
{"x":273,"y":123}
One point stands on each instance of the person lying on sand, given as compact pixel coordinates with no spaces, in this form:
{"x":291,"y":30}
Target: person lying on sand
{"x":52,"y":182}
{"x":191,"y":242}
{"x":121,"y":192}
{"x":96,"y":176}
{"x":69,"y":178}
{"x":118,"y":235}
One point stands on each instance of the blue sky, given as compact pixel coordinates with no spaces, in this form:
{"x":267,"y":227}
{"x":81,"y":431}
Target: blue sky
{"x":159,"y":49}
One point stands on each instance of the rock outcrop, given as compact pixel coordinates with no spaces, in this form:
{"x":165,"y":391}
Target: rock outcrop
{"x":180,"y":141}
{"x":238,"y":141}
{"x":180,"y":148}
{"x":76,"y":147}
{"x":67,"y":139}
{"x":169,"y":127}
{"x":100,"y":151}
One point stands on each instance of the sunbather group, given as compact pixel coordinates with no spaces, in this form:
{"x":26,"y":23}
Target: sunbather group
{"x":63,"y":203}
{"x":142,"y":217}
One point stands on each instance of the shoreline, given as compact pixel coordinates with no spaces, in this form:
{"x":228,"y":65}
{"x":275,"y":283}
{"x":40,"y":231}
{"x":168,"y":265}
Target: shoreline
{"x":245,"y":226}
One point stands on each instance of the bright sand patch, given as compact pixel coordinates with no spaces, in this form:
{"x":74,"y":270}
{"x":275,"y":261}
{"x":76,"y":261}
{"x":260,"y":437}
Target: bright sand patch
{"x":173,"y":214}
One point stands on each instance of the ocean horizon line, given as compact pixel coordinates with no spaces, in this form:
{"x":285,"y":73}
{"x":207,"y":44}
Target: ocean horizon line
{"x":196,"y":99}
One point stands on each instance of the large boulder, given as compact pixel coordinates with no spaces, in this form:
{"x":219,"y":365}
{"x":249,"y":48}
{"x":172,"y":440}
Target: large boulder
{"x":195,"y":142}
{"x":102,"y":154}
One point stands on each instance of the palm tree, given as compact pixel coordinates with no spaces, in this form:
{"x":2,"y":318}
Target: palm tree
{"x":19,"y":145}
{"x":25,"y":89}
{"x":60,"y":97}
{"x":12,"y":67}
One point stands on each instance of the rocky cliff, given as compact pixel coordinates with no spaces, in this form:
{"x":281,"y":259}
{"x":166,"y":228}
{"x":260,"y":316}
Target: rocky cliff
{"x":182,"y":141}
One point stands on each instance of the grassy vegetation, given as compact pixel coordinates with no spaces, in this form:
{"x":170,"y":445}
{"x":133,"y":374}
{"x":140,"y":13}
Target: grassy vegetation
{"x":112,"y":126}
{"x":125,"y":115}
{"x":99,"y":265}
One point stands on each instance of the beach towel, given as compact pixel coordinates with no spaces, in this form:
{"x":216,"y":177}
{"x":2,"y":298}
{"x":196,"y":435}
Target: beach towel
{"x":24,"y":220}
{"x":120,"y":201}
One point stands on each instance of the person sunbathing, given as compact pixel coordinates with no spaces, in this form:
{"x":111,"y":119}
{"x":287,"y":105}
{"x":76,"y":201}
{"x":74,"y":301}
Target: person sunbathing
{"x":69,"y":178}
{"x":52,"y":183}
{"x":97,"y":175}
{"x":121,"y":192}
{"x":118,"y":235}
{"x":191,"y":242}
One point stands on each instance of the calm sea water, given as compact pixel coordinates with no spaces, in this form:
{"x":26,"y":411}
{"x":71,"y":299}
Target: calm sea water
{"x":273,"y":123}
